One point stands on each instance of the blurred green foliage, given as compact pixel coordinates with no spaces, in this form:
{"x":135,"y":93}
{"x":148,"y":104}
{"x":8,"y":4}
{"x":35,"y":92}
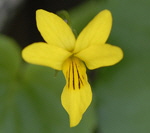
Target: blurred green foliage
{"x":30,"y":94}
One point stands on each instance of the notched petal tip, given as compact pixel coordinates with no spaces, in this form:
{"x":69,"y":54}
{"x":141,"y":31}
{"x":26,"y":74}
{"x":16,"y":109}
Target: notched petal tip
{"x":76,"y":102}
{"x":106,"y":11}
{"x":42,"y":12}
{"x":39,"y":10}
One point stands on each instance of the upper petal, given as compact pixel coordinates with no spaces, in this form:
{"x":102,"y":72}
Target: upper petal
{"x":97,"y":56}
{"x":77,"y":95}
{"x":55,"y":30}
{"x":96,"y":32}
{"x":46,"y":55}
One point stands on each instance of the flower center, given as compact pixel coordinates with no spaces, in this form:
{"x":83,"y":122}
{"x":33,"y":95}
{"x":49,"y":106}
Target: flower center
{"x":75,"y":73}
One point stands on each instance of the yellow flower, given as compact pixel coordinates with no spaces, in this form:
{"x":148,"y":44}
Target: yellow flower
{"x":62,"y":51}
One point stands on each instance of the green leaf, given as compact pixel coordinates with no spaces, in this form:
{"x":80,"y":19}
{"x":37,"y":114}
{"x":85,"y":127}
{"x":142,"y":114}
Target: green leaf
{"x":9,"y":56}
{"x":9,"y":67}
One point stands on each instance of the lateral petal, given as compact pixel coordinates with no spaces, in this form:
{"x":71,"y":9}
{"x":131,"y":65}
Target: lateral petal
{"x":76,"y":95}
{"x":55,"y":30}
{"x":97,"y":56}
{"x":46,"y":55}
{"x":96,"y":32}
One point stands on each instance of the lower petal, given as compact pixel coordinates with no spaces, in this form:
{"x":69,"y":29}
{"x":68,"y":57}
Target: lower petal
{"x":97,"y":56}
{"x":77,"y":95}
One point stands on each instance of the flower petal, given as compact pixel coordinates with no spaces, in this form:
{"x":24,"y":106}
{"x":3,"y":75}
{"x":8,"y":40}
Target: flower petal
{"x":77,"y":95}
{"x":46,"y":55}
{"x":97,"y":56}
{"x":96,"y":32}
{"x":55,"y":30}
